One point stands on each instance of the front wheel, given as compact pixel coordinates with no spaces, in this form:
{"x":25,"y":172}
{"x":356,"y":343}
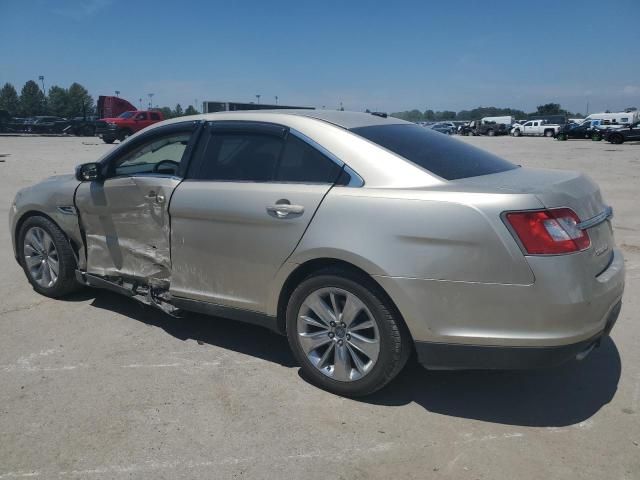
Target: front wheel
{"x":47,"y":257}
{"x":108,"y":139}
{"x":516,"y":133}
{"x":344,"y":333}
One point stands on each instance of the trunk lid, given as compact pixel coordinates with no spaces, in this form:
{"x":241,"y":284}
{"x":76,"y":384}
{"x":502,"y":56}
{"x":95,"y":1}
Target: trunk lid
{"x":556,"y":189}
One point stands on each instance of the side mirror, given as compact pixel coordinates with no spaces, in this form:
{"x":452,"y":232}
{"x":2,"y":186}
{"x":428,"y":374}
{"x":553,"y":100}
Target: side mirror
{"x":88,"y":172}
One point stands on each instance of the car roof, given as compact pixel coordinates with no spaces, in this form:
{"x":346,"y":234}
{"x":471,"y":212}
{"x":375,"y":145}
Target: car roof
{"x":342,"y":119}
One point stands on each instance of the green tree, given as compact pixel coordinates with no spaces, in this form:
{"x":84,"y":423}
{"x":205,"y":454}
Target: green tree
{"x":79,"y":103}
{"x":191,"y":111}
{"x":429,"y":115}
{"x":166,"y":112}
{"x":58,"y":101}
{"x":9,"y":100}
{"x":178,"y":111}
{"x":32,"y":100}
{"x":550,"y":109}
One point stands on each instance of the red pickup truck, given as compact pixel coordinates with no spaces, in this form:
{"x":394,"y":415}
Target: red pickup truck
{"x":126,"y":124}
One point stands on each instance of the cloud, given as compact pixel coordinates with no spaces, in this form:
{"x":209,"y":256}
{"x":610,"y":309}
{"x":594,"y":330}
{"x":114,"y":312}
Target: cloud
{"x":83,"y":9}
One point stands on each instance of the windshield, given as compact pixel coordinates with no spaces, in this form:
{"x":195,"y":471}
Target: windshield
{"x":446,"y":157}
{"x":126,"y":115}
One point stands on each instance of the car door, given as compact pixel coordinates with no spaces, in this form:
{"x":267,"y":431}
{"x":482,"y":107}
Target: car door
{"x":124,"y":216}
{"x":526,"y":128}
{"x":248,"y":198}
{"x":142,"y":120}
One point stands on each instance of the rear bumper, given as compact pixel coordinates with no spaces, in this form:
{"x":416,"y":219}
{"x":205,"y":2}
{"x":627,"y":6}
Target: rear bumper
{"x":450,"y":356}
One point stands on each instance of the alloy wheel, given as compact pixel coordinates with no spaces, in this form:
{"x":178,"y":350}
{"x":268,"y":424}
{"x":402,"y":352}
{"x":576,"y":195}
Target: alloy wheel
{"x":338,"y":334}
{"x":41,"y":257}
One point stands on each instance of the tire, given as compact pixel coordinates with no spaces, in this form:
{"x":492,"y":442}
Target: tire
{"x":469,"y":134}
{"x":548,"y":133}
{"x":124,"y":134}
{"x":393,"y":345}
{"x":562,"y":137}
{"x":516,"y":133}
{"x":616,"y":139}
{"x":491,"y":133}
{"x":108,"y":139}
{"x":32,"y":247}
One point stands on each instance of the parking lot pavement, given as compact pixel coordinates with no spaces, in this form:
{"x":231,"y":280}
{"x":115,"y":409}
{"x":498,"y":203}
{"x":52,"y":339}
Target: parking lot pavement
{"x":98,"y":386}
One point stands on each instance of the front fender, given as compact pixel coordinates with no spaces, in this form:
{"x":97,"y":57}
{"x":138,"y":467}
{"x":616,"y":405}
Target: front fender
{"x":53,"y":198}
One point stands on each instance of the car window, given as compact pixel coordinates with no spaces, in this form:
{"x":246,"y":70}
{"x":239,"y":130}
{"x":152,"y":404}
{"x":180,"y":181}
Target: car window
{"x":446,"y":157}
{"x":250,"y":157}
{"x":141,"y":116}
{"x":302,"y":163}
{"x":160,"y":156}
{"x":154,"y":116}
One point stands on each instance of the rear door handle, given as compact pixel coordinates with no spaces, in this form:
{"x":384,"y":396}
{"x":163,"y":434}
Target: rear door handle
{"x":284,"y":210}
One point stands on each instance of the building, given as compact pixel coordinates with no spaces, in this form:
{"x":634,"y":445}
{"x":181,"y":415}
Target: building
{"x":214,"y":106}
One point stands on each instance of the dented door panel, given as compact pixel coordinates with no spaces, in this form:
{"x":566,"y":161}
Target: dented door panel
{"x":126,"y":224}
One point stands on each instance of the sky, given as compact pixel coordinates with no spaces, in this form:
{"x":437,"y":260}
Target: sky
{"x":386,"y":56}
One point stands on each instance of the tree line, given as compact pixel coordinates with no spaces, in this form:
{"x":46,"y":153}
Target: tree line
{"x":480,"y":112}
{"x":74,"y":101}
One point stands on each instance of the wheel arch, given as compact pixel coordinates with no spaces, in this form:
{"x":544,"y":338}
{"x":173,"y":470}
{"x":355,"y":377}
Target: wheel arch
{"x":310,"y":267}
{"x":19,"y":222}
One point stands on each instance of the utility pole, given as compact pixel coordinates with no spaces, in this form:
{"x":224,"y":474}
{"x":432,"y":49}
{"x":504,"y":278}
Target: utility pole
{"x":258,"y":97}
{"x":150,"y":95}
{"x":140,"y":100}
{"x":276,"y":99}
{"x":41,"y":78}
{"x":587,"y":114}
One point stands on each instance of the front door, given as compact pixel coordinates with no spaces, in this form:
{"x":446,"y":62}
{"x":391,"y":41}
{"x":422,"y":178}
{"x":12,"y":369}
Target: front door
{"x":125,"y":216}
{"x":242,"y":210}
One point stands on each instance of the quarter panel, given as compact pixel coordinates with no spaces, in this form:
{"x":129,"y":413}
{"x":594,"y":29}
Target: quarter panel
{"x":420,"y":234}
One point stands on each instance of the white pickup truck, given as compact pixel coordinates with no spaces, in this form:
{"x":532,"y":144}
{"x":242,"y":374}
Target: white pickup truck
{"x":535,"y":127}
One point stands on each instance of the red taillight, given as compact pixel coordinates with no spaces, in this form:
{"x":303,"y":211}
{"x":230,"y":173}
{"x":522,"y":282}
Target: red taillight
{"x":549,"y":232}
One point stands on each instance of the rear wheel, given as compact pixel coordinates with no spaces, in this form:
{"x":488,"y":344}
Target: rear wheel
{"x":47,"y":257}
{"x":108,"y":139}
{"x":347,"y":337}
{"x":491,"y":133}
{"x":548,"y":133}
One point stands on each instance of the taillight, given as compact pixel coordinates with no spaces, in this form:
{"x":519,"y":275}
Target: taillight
{"x":549,"y":232}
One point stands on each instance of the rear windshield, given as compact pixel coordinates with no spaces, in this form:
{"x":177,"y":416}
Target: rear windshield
{"x":436,"y":152}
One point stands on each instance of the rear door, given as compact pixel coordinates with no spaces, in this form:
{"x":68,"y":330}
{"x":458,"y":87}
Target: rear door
{"x":249,"y":196}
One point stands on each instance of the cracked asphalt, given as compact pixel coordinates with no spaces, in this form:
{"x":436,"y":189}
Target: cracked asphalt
{"x":97,"y":386}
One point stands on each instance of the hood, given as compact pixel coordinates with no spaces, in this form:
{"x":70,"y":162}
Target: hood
{"x":56,"y":190}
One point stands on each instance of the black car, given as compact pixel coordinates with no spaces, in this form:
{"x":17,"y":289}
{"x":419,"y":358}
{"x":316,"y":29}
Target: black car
{"x":578,"y":131}
{"x":627,"y":133}
{"x":44,"y":124}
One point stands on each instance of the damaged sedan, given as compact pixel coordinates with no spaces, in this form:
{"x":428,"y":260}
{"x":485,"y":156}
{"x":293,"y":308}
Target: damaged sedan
{"x":363,"y":239}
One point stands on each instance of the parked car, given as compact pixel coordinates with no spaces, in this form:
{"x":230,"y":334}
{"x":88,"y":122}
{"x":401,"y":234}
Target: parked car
{"x":46,"y":124}
{"x":484,"y":127}
{"x":536,"y":128}
{"x":82,"y":126}
{"x":624,"y":134}
{"x":126,"y":124}
{"x":363,"y":239}
{"x":444,"y":127}
{"x":585,"y":130}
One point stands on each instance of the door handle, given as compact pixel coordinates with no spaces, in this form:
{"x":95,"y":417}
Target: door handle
{"x":156,"y":197}
{"x":283,"y":210}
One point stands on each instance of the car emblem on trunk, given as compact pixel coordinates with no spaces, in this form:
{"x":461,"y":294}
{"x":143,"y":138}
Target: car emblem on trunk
{"x":601,"y":250}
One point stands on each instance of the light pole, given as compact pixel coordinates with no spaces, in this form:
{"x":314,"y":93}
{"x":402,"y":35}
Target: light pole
{"x":150,"y":95}
{"x":41,"y":78}
{"x":140,"y":100}
{"x":117,"y":92}
{"x":276,"y":99}
{"x":258,"y":97}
